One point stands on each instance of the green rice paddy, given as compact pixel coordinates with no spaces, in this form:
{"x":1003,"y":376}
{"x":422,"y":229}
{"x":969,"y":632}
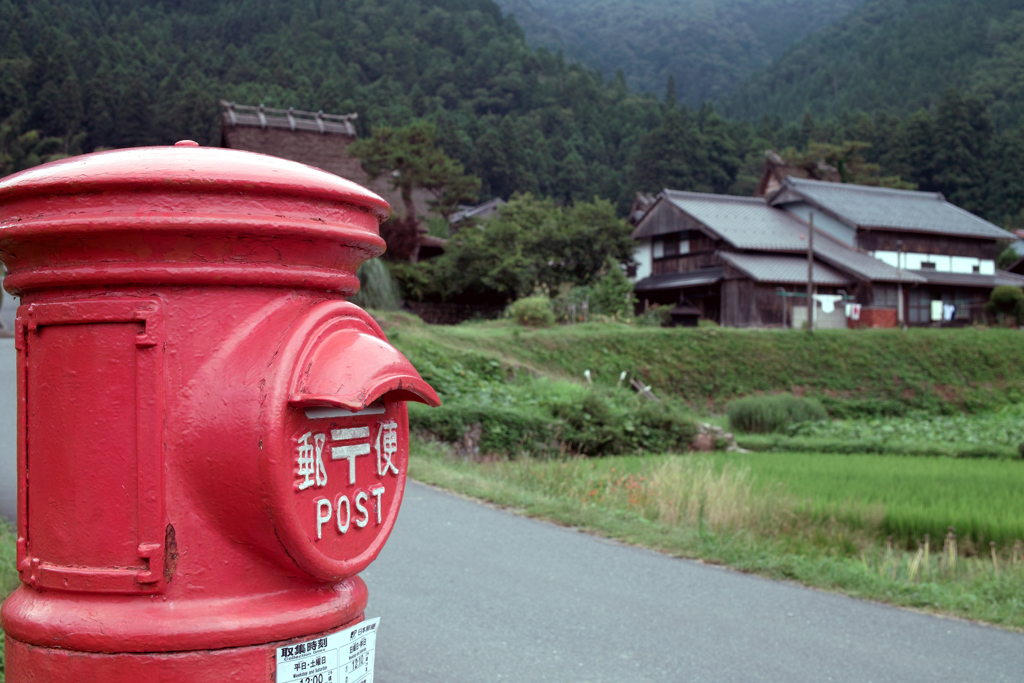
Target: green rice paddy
{"x":980,"y":499}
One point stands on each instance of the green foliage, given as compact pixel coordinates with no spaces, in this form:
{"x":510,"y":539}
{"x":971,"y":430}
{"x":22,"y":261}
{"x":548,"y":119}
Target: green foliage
{"x":863,"y":373}
{"x":503,"y":409}
{"x":1006,"y":302}
{"x":8,"y":574}
{"x":655,"y":316}
{"x":530,"y":243}
{"x":377,"y":289}
{"x":413,"y":160}
{"x":895,"y":56}
{"x":612,"y":294}
{"x":548,"y":419}
{"x":709,"y":49}
{"x":532,"y":311}
{"x":764,"y":414}
{"x":439,"y":84}
{"x":1007,"y":257}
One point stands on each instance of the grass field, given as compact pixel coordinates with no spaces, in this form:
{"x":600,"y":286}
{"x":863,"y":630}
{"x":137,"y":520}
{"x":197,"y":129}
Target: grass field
{"x":8,"y":575}
{"x":980,"y":499}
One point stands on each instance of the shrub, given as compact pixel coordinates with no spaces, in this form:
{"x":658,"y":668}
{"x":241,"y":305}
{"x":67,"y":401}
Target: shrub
{"x":612,"y":294}
{"x":377,"y":289}
{"x":532,"y":311}
{"x":764,"y":414}
{"x":1005,"y":302}
{"x":655,"y":316}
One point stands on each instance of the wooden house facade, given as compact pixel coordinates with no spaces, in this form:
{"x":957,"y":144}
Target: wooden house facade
{"x":743,"y":261}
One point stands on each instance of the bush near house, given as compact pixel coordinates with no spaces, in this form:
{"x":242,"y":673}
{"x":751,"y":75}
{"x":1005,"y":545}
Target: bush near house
{"x":1006,"y":303}
{"x":532,"y":311}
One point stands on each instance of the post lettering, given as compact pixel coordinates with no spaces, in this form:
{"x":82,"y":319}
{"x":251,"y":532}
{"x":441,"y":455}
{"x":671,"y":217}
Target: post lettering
{"x":360,"y":499}
{"x":321,"y":517}
{"x":343,"y":528}
{"x":376,"y":492}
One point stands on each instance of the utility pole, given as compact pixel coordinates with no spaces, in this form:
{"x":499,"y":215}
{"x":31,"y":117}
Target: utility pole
{"x":899,"y":285}
{"x":810,"y":275}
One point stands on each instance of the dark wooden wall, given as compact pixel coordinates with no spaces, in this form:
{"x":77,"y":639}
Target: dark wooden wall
{"x":677,"y":264}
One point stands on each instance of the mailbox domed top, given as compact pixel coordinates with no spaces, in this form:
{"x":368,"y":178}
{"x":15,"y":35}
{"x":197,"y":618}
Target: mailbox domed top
{"x":188,"y":167}
{"x":185,"y":214}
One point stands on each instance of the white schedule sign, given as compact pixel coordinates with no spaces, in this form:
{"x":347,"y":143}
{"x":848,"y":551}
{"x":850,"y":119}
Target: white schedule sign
{"x":343,"y":657}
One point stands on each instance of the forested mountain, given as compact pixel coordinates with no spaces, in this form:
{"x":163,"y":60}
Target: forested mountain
{"x":898,"y":56}
{"x":77,"y":75}
{"x":709,"y":46}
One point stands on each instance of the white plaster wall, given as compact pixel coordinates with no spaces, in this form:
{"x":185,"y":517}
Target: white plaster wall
{"x":642,"y":256}
{"x":943,"y":263}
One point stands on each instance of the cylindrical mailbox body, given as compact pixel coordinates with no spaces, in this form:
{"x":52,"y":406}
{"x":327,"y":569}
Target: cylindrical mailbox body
{"x":212,"y":443}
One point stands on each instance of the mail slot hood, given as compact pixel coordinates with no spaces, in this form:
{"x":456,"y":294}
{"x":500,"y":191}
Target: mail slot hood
{"x":348,"y":364}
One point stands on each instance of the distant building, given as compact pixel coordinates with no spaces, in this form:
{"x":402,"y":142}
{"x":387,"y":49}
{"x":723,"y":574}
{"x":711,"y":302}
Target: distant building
{"x":776,"y":171}
{"x":479,"y":212}
{"x":743,"y":261}
{"x":322,"y":140}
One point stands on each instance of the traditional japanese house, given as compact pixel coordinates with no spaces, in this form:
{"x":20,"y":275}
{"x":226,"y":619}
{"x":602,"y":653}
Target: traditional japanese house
{"x":742,"y":261}
{"x":322,"y":140}
{"x":951,"y":250}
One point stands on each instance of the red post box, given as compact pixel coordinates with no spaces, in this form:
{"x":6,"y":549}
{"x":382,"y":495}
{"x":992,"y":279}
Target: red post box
{"x":212,"y":443}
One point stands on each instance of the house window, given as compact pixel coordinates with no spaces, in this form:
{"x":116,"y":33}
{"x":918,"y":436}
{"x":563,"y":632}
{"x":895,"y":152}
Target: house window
{"x":919,"y":309}
{"x":659,"y":249}
{"x":885,"y":296}
{"x":672,"y":245}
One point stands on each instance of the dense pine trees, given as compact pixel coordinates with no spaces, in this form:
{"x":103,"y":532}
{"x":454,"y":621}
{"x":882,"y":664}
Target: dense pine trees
{"x":80,"y":75}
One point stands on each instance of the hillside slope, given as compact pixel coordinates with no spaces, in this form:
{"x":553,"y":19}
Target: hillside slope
{"x":868,"y":372}
{"x":898,"y":56}
{"x":709,"y":46}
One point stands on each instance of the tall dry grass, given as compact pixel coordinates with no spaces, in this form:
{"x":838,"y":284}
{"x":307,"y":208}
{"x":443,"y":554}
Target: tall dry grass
{"x":691,"y":491}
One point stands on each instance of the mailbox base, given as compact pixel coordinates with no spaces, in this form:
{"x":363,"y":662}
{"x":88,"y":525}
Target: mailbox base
{"x":256,"y":664}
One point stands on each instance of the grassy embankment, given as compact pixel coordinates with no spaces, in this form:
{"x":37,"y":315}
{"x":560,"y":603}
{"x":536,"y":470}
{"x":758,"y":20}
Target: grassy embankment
{"x":8,"y":574}
{"x":852,"y":523}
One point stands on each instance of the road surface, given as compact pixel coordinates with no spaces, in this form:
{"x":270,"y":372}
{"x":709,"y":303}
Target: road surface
{"x":470,"y":593}
{"x":8,"y":431}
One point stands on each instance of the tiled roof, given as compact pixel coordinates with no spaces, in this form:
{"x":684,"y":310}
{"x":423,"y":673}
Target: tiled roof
{"x":290,"y":119}
{"x":783,"y":269}
{"x":750,"y":223}
{"x":889,"y":209}
{"x":971,"y":279}
{"x":465,"y":212}
{"x":690,"y":278}
{"x":743,"y":222}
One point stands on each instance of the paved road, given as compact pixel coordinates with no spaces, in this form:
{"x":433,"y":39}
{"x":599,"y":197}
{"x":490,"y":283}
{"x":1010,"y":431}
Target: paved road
{"x":8,"y":431}
{"x":469,"y":593}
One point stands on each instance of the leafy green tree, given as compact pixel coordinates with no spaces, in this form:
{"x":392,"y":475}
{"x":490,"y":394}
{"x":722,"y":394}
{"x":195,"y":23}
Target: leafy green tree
{"x":411,"y":155}
{"x":963,"y":134}
{"x":1007,"y":257}
{"x":612,"y":293}
{"x":531,"y":243}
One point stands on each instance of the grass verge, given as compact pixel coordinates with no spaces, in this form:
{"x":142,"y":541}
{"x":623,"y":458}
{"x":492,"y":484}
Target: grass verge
{"x":727,"y":513}
{"x":8,"y":576}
